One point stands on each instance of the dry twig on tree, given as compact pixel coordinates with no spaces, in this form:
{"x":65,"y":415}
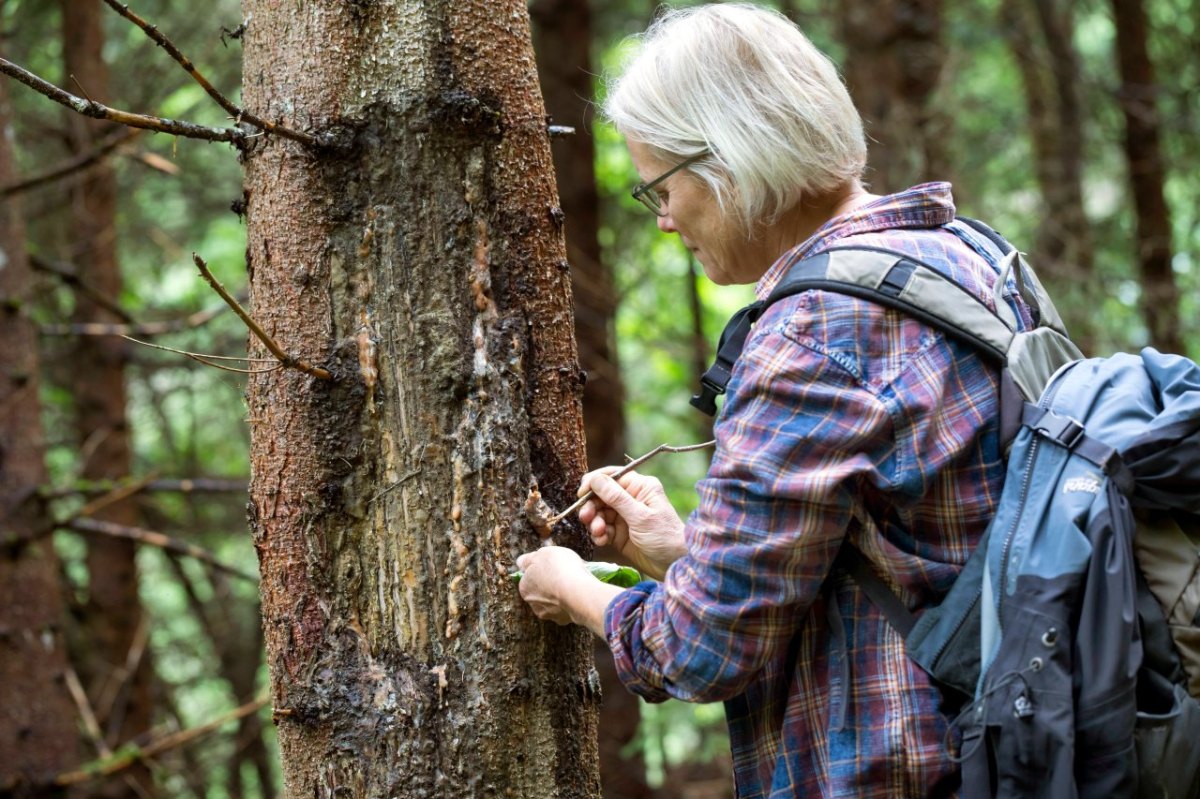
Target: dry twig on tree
{"x":155,"y":539}
{"x":112,"y":141}
{"x":238,"y":114}
{"x":287,"y":361}
{"x":129,"y":754}
{"x":90,"y":108}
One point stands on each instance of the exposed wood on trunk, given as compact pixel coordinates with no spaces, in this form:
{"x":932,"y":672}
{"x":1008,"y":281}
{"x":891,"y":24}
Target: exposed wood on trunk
{"x":1039,"y":34}
{"x":895,"y":55}
{"x":113,"y":611}
{"x":37,"y":717}
{"x":1147,"y":175}
{"x":423,"y":266}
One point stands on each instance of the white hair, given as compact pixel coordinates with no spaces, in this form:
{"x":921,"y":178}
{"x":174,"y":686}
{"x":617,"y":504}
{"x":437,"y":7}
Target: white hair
{"x":743,"y":83}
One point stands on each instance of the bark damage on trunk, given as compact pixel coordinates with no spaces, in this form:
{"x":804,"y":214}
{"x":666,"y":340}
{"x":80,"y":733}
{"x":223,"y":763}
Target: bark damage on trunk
{"x":423,"y":265}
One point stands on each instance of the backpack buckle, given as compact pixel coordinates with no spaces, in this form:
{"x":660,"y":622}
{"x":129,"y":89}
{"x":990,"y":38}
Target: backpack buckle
{"x":706,"y":400}
{"x":1064,"y":430}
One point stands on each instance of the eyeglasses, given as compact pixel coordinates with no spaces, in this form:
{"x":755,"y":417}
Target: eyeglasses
{"x":647,"y":196}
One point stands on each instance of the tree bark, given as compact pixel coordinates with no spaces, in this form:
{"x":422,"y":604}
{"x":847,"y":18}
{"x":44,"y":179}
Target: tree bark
{"x":1040,"y":37}
{"x":423,"y":265}
{"x":1147,"y":176}
{"x":893,"y":67}
{"x":37,"y":718}
{"x":113,"y":613}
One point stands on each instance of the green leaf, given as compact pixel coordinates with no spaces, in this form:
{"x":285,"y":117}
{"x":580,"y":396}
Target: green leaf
{"x":611,"y":573}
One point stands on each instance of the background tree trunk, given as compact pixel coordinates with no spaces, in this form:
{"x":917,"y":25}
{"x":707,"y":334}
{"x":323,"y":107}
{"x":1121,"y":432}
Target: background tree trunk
{"x":424,"y":266}
{"x":1138,"y":97}
{"x":37,"y":718}
{"x":1039,"y":33}
{"x":895,"y":55}
{"x":119,"y":691}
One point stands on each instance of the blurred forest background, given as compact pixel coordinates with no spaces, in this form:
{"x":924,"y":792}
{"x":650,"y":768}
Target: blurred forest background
{"x":1073,"y":126}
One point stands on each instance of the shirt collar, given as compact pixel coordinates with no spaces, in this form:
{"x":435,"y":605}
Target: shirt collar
{"x":924,"y":206}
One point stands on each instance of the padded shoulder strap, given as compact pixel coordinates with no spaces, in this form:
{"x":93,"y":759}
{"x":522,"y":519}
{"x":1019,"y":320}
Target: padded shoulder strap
{"x":888,"y":278}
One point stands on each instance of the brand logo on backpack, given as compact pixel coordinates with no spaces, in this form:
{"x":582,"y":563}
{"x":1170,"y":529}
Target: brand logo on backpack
{"x":1089,"y":483}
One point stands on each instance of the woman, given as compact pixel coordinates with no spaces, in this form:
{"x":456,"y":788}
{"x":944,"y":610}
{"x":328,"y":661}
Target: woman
{"x":844,"y":422}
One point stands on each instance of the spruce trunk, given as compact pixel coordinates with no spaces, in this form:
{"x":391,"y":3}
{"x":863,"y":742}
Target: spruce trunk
{"x":420,"y":260}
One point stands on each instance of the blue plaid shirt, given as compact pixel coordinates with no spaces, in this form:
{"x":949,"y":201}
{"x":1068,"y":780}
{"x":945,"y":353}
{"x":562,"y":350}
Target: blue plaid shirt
{"x":843,"y":419}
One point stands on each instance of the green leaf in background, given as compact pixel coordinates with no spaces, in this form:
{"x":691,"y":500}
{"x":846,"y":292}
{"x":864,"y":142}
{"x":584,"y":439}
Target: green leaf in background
{"x":611,"y":573}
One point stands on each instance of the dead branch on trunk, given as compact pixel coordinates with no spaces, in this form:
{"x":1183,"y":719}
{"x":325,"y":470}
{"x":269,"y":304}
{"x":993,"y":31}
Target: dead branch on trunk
{"x":238,"y":114}
{"x":90,"y":108}
{"x":82,"y":161}
{"x":287,"y":361}
{"x":155,"y":539}
{"x":129,"y":754}
{"x":209,"y":360}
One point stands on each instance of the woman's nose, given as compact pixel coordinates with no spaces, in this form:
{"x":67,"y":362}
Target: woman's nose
{"x":666,"y":224}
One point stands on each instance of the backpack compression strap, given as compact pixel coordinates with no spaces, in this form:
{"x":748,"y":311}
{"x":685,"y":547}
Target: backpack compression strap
{"x":888,"y":278}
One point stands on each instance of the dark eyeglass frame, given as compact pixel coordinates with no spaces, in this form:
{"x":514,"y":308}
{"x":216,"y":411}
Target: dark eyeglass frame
{"x":647,"y":196}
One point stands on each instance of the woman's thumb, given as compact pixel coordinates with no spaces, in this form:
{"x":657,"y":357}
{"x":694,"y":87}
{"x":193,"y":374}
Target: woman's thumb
{"x":616,"y":497}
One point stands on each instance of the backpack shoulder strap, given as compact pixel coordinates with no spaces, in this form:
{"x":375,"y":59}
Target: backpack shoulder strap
{"x":885,"y":277}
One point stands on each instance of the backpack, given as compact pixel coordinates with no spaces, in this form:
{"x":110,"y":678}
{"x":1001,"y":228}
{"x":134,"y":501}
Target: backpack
{"x":1068,"y":649}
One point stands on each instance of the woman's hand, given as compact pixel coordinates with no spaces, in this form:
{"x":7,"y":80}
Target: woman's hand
{"x":634,"y":515}
{"x":559,"y":588}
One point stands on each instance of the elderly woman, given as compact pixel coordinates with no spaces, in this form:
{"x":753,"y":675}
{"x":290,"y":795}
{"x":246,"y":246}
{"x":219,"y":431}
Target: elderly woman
{"x":844,"y":422}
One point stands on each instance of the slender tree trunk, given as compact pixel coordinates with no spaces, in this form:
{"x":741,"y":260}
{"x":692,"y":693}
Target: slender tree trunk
{"x":37,"y":718}
{"x":1039,"y":35}
{"x":113,"y":612}
{"x":1147,"y":176}
{"x":423,"y":265}
{"x":894,"y":64}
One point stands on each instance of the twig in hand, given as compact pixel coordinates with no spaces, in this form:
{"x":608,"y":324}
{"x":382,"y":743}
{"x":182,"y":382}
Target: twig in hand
{"x":82,"y":161}
{"x":629,"y":467}
{"x":237,"y":113}
{"x":100,"y":111}
{"x":207,"y":360}
{"x":286,"y":360}
{"x":155,"y":539}
{"x":127,"y":755}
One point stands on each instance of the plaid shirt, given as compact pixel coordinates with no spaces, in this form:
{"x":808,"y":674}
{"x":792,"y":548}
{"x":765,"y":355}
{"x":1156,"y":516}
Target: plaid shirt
{"x":843,"y":419}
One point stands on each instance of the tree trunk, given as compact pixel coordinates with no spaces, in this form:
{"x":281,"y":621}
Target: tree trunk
{"x":113,"y":613}
{"x":1039,"y":35}
{"x":893,"y":67}
{"x":37,"y":718}
{"x":423,"y":265}
{"x":1147,"y":175}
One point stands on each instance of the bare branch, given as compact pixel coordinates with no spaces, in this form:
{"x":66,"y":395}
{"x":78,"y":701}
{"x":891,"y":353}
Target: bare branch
{"x":285,"y":359}
{"x":195,"y":485}
{"x":96,"y":110}
{"x":90,"y":725}
{"x":560,"y":131}
{"x":239,"y":114}
{"x":208,"y":360}
{"x":72,"y":278}
{"x":189,"y":322}
{"x":106,"y":145}
{"x":129,"y":754}
{"x":154,"y":539}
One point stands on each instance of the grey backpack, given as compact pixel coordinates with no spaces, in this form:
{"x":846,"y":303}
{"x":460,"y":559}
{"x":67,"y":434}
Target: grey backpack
{"x":1072,"y":664}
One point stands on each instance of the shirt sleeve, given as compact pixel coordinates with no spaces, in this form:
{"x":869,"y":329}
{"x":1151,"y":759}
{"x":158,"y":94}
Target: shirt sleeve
{"x":797,"y":435}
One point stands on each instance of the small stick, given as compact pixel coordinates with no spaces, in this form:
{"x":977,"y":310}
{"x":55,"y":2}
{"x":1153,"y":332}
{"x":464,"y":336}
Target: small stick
{"x":629,"y":467}
{"x":207,"y":360}
{"x":100,"y":111}
{"x":114,"y":496}
{"x":114,"y":140}
{"x":285,"y":359}
{"x":90,"y":725}
{"x":156,"y":539}
{"x":239,"y":114}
